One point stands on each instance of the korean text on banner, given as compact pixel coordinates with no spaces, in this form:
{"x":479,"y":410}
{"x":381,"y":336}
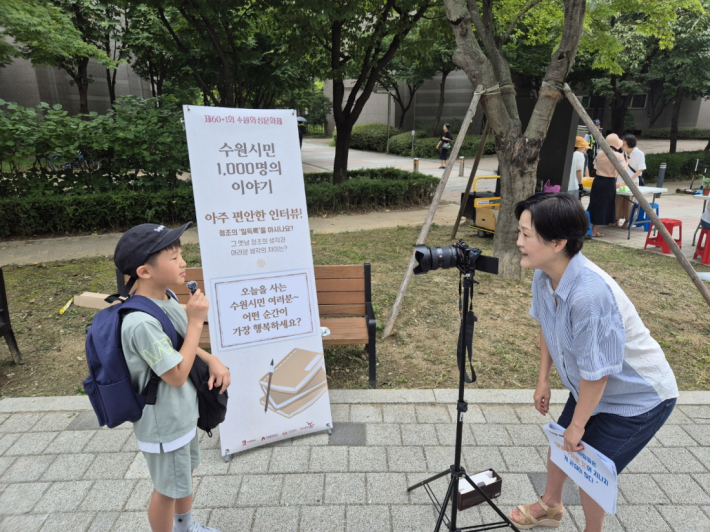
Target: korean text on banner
{"x":258,"y":268}
{"x":589,"y":469}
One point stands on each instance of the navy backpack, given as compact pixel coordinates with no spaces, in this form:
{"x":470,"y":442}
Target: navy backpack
{"x":109,"y":384}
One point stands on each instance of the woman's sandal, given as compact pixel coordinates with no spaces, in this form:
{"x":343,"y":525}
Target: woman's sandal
{"x":527,"y":521}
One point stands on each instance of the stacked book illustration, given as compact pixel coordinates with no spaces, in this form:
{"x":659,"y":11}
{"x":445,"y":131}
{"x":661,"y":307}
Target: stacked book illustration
{"x":294,"y":383}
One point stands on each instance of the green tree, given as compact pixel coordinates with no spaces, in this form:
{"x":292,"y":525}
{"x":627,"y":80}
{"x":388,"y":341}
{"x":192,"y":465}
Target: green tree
{"x":349,"y":39}
{"x":58,"y":34}
{"x":482,"y":30}
{"x":684,"y":70}
{"x":235,"y":51}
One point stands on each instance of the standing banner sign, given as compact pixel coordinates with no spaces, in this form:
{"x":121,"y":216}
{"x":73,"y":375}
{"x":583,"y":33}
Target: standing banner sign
{"x":257,"y":265}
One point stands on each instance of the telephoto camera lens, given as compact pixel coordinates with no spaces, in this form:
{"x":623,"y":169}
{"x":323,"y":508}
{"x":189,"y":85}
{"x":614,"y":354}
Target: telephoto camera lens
{"x":435,"y":258}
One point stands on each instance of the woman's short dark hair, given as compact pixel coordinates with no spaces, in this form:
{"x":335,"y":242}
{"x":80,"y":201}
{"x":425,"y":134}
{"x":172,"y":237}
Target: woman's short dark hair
{"x":557,"y":217}
{"x":630,"y":140}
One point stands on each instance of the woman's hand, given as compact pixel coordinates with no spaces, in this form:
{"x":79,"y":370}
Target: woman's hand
{"x":573,"y":439}
{"x":542,"y":397}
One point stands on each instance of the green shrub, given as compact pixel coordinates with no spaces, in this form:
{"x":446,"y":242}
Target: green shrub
{"x":36,"y":215}
{"x":58,"y":214}
{"x":679,"y":165}
{"x":371,"y":137}
{"x":426,"y":147}
{"x":684,"y":133}
{"x":139,"y":136}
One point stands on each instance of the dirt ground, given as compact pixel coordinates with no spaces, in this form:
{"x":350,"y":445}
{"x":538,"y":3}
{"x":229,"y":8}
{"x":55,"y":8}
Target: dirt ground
{"x":422,"y":351}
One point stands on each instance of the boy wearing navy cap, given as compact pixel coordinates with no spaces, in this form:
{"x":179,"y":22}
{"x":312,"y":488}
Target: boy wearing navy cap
{"x":167,"y":432}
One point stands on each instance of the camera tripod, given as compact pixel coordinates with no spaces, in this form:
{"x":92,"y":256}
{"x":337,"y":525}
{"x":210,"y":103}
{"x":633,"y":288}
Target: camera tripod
{"x":456,"y":471}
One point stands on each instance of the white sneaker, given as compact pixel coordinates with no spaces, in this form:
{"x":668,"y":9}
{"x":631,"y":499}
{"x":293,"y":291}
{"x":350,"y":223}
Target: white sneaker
{"x":197,"y":527}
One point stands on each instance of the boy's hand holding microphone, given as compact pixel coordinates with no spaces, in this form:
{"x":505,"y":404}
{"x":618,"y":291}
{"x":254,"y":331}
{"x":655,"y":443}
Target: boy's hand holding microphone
{"x":198,"y":305}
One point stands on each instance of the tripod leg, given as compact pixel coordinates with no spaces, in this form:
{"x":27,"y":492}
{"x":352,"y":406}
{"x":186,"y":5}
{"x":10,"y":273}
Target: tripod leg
{"x":445,"y":503}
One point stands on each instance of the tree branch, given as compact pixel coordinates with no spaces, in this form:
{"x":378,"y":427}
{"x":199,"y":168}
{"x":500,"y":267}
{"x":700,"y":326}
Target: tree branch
{"x":504,"y":39}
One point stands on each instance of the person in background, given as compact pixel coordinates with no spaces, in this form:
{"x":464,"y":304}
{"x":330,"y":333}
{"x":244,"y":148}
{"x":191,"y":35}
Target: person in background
{"x":579,"y":170}
{"x":636,"y":161}
{"x":621,"y":387}
{"x":301,"y":133}
{"x":444,"y":145}
{"x":602,"y":207}
{"x":593,"y":149}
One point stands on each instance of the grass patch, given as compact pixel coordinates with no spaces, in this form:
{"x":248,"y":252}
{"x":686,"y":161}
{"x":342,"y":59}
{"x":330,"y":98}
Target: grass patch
{"x":422,"y":351}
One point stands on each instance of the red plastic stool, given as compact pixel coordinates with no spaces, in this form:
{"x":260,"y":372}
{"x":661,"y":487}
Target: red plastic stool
{"x":658,"y":241}
{"x":703,"y":250}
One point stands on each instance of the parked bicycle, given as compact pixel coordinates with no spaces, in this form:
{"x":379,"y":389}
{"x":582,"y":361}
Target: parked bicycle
{"x":58,"y":161}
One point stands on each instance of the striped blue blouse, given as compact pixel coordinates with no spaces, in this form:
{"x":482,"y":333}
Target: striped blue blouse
{"x":594,"y":331}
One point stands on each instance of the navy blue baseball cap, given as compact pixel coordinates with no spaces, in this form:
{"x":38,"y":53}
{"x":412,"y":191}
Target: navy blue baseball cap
{"x":140,"y":242}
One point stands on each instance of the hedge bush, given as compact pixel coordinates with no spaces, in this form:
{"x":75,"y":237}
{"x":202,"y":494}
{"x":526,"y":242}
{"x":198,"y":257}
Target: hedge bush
{"x":371,"y":137}
{"x":679,"y":165}
{"x":59,"y":214}
{"x":425,"y":147}
{"x":684,"y":133}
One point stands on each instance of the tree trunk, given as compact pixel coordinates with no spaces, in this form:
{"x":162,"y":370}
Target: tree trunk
{"x":111,"y":80}
{"x":674,"y":119}
{"x":517,"y":181}
{"x":617,"y":105}
{"x":342,"y":145}
{"x":82,"y":83}
{"x":440,"y":110}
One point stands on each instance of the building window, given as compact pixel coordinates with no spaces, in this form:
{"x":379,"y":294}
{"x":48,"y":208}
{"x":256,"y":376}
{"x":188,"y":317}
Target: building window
{"x":638,"y":101}
{"x":586,"y":101}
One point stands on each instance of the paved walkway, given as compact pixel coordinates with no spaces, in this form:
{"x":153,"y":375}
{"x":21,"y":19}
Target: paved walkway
{"x":59,"y":471}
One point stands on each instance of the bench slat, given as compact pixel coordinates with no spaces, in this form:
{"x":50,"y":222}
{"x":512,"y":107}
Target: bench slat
{"x":340,"y":285}
{"x":343,"y":329}
{"x":339,"y":272}
{"x":328,"y":311}
{"x":340,"y":298}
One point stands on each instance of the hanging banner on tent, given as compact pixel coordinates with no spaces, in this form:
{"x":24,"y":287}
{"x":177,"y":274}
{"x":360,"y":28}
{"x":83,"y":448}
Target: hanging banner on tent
{"x":257,"y":265}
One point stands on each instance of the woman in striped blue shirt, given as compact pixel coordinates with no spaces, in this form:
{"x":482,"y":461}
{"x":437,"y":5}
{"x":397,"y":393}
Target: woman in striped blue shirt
{"x":621,"y":387}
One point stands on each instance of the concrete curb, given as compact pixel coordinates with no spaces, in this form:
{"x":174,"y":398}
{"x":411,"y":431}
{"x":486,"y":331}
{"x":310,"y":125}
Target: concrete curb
{"x":344,"y":397}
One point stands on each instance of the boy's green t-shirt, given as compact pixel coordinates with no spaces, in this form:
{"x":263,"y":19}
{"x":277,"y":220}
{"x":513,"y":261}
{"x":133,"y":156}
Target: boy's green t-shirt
{"x":146,"y":346}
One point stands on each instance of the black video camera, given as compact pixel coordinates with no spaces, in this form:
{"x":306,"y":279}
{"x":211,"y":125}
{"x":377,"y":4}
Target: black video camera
{"x":459,"y":255}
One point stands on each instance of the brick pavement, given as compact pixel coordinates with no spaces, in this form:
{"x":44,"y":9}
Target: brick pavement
{"x":59,"y":471}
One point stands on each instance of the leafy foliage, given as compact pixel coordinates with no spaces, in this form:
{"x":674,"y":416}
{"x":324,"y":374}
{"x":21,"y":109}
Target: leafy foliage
{"x":371,"y":137}
{"x":140,"y":143}
{"x":679,"y":165}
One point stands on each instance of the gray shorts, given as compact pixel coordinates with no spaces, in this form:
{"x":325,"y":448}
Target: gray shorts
{"x":171,"y":472}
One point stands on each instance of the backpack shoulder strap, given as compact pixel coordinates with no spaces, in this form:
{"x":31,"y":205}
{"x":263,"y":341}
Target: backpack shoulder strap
{"x":143,"y":304}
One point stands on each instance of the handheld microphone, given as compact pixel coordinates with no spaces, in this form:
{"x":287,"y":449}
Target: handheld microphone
{"x":192,"y":286}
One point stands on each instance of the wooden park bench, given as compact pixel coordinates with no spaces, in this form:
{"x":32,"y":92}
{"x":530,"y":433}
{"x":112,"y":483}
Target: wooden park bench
{"x":344,"y":304}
